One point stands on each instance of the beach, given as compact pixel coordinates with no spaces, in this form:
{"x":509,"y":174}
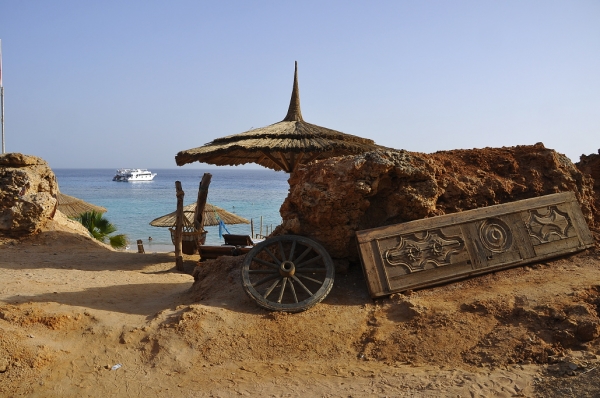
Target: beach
{"x":72,"y":310}
{"x":411,"y":194}
{"x":251,"y":194}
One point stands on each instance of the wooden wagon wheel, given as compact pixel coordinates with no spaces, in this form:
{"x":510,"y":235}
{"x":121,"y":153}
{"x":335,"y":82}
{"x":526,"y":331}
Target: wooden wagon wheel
{"x":288,"y":273}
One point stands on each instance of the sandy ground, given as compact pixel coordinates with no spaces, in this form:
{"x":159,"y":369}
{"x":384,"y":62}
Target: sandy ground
{"x":71,"y":309}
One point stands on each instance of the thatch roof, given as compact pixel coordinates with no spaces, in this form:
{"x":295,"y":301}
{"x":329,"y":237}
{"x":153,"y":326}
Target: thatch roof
{"x":71,"y":206}
{"x":209,"y":217}
{"x":280,"y":146}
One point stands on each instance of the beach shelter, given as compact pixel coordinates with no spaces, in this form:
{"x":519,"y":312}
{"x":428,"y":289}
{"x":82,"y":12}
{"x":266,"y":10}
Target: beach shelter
{"x":191,"y":237}
{"x":280,"y":146}
{"x":72,"y":207}
{"x":211,"y":216}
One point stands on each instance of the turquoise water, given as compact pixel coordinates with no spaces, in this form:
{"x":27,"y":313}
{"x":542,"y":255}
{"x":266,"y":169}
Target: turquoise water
{"x":132,"y":205}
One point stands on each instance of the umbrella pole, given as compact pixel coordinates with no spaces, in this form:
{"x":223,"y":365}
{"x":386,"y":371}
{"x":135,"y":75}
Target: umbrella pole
{"x":179,"y":227}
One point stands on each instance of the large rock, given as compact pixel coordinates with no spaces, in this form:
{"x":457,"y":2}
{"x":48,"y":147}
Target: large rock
{"x":330,"y":200}
{"x":27,"y":195}
{"x":590,"y":165}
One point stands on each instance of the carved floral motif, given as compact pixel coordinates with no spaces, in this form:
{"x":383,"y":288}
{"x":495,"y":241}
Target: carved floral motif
{"x":549,"y":226}
{"x":416,"y":251}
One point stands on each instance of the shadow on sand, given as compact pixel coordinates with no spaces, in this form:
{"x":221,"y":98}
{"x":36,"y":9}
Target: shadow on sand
{"x":145,"y":299}
{"x":57,"y":249}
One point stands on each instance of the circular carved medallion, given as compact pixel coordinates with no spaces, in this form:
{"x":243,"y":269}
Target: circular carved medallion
{"x":495,"y":235}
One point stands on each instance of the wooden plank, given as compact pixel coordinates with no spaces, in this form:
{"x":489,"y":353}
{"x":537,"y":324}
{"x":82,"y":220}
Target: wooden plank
{"x":372,"y":274}
{"x":473,"y":246}
{"x":579,"y":223}
{"x":411,"y":281}
{"x":465,"y":216}
{"x":440,"y":249}
{"x":521,"y":236}
{"x":558,"y":246}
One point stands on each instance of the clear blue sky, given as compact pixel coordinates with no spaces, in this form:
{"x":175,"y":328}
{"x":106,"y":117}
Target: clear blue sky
{"x":131,"y":83}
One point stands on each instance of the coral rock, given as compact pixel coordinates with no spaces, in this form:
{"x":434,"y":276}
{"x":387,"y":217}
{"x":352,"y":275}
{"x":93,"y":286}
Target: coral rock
{"x":28,"y":194}
{"x":330,"y":200}
{"x":590,"y":165}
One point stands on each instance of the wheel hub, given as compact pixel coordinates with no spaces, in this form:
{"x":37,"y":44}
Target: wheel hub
{"x":287,"y":269}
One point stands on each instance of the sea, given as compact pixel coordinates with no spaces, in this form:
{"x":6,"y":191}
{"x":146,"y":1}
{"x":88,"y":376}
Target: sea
{"x":254,"y":194}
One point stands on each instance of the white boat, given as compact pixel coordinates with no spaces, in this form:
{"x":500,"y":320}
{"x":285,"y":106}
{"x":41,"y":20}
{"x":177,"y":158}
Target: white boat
{"x":133,"y":175}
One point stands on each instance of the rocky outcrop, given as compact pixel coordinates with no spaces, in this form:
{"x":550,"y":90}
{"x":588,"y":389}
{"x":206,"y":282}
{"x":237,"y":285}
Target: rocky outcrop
{"x":331,"y":199}
{"x":27,"y":195}
{"x":590,"y":165}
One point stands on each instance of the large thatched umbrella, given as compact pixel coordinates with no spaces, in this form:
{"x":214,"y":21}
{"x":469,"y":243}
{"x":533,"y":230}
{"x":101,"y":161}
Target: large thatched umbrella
{"x":209,"y":217}
{"x":71,"y":206}
{"x":280,"y":146}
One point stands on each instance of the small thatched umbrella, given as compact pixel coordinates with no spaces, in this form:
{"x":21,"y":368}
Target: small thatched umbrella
{"x":72,"y":207}
{"x":191,"y":237}
{"x":209,"y":217}
{"x":280,"y":146}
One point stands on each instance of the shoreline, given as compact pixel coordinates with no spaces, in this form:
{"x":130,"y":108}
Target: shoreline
{"x":150,"y":247}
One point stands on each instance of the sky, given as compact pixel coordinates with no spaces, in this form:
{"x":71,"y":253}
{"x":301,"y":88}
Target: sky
{"x":111,"y":84}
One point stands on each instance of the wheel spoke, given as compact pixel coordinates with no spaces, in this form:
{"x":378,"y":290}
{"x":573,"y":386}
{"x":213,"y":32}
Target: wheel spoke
{"x":302,"y":285}
{"x":270,"y":289}
{"x":281,"y":252}
{"x":310,"y":279}
{"x":264,"y":271}
{"x":264,"y":280}
{"x":313,"y":270}
{"x":273,"y":257}
{"x":282,"y":290}
{"x":263,"y":262}
{"x":308,"y":249}
{"x":293,"y":289}
{"x":312,"y":260}
{"x":292,"y":253}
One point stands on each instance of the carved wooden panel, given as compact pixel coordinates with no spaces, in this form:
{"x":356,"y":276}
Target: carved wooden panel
{"x":439,"y":249}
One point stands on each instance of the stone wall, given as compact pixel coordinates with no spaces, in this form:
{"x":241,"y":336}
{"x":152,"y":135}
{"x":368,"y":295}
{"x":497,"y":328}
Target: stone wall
{"x":28,"y":191}
{"x":330,"y":200}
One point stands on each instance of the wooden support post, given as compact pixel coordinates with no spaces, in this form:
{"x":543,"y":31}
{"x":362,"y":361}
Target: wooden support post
{"x":252,"y":228}
{"x":179,"y":227}
{"x":261,"y":234}
{"x":140,"y":245}
{"x":201,"y":201}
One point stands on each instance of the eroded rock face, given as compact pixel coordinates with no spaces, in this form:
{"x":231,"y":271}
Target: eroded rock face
{"x":330,"y":200}
{"x":27,"y":195}
{"x":590,"y":165}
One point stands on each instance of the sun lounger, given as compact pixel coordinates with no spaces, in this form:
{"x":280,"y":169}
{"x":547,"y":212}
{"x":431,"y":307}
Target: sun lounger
{"x":238,"y":240}
{"x":211,"y":252}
